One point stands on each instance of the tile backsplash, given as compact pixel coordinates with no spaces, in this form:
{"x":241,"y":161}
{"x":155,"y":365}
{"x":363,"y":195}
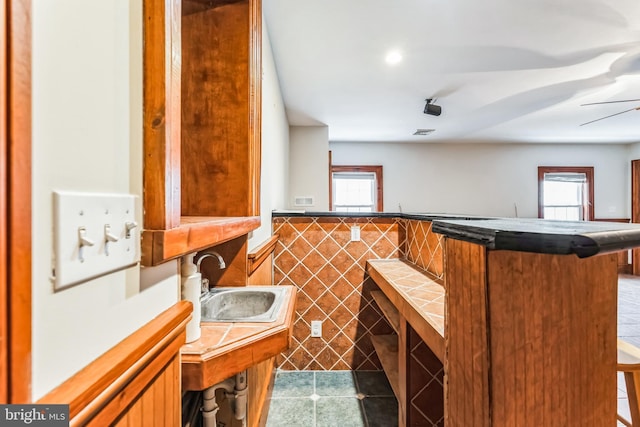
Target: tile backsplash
{"x":425,"y":248}
{"x":316,"y":255}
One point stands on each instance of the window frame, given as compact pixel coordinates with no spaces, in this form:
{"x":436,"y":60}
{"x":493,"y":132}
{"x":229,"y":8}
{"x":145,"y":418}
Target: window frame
{"x":588,"y":208}
{"x":377,"y":170}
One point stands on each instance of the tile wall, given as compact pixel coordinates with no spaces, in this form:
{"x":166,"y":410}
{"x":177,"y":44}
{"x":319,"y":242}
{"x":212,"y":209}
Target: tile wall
{"x":424,"y":248}
{"x":317,"y":255}
{"x":425,"y":384}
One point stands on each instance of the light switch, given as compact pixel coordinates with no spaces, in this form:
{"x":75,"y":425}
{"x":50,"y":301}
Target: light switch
{"x":93,"y":234}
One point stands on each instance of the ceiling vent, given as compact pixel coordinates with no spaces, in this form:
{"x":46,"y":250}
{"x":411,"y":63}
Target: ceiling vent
{"x":423,"y":131}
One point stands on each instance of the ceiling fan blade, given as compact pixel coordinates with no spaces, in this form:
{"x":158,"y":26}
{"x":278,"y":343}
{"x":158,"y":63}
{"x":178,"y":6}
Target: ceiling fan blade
{"x":606,"y":117}
{"x":610,"y":102}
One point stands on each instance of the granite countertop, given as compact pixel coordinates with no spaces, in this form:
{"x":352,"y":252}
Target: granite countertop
{"x":583,"y":238}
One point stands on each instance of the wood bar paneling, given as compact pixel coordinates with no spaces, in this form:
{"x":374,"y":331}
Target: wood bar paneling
{"x":259,"y":378}
{"x":18,"y":200}
{"x":635,"y":212}
{"x":161,"y":113}
{"x":553,"y":339}
{"x":466,"y":337}
{"x":143,"y":369}
{"x":262,"y":253}
{"x":4,"y":115}
{"x":221,"y":85}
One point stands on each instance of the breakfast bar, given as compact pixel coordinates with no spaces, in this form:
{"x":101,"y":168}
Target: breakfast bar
{"x":492,"y":321}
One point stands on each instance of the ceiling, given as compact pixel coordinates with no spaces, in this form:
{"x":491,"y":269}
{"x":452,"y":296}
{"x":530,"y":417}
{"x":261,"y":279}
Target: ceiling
{"x":502,"y":70}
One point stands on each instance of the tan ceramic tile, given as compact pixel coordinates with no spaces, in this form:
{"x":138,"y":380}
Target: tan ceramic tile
{"x":328,"y":302}
{"x":300,"y":248}
{"x":328,"y":275}
{"x":211,"y":336}
{"x":238,"y":332}
{"x":341,"y":288}
{"x":314,"y":288}
{"x":300,"y":274}
{"x":328,"y":248}
{"x":285,"y":261}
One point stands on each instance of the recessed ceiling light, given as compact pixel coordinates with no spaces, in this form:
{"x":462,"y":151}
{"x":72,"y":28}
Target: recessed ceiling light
{"x":393,"y":57}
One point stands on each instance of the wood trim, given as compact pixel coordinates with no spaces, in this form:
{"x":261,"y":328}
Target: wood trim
{"x":330,"y":181}
{"x":19,"y":199}
{"x":359,"y":168}
{"x":4,"y":307}
{"x":261,"y":253}
{"x":635,"y":212}
{"x":587,"y":170}
{"x":255,"y":105}
{"x":161,"y":113}
{"x":110,"y":383}
{"x":193,"y":234}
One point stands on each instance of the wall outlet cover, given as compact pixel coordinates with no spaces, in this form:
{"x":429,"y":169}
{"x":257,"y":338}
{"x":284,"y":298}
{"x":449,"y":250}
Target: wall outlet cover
{"x":355,"y":233}
{"x":316,"y":328}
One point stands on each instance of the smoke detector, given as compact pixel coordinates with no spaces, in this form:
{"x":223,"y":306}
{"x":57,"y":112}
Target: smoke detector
{"x":423,"y":131}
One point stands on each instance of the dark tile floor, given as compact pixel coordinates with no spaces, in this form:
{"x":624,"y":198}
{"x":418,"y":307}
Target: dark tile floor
{"x":365,"y":399}
{"x":628,"y":328}
{"x":332,"y":398}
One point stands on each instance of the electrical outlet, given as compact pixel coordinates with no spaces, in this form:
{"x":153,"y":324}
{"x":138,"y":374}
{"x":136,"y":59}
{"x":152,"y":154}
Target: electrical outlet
{"x":316,"y":328}
{"x":355,"y":233}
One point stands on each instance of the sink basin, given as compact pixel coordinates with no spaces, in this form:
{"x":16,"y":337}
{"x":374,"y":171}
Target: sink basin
{"x":247,"y":304}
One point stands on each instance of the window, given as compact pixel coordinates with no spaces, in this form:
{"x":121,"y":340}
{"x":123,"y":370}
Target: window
{"x":565,"y":193}
{"x":356,"y":188}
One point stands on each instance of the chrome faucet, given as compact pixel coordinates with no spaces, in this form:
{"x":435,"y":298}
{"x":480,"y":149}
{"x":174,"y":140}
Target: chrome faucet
{"x":198,"y":260}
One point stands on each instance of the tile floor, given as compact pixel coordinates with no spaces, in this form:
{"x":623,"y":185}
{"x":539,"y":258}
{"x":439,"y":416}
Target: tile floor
{"x":365,"y":399}
{"x":628,"y":328}
{"x":332,"y":399}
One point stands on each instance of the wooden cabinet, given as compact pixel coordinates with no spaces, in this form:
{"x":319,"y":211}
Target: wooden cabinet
{"x":202,"y":103}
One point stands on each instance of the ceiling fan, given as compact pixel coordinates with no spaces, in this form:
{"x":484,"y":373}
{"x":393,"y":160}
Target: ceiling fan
{"x":611,"y":115}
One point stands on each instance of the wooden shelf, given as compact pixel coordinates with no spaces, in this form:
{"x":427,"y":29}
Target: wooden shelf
{"x":386,"y":347}
{"x":193,"y":234}
{"x":388,"y":309}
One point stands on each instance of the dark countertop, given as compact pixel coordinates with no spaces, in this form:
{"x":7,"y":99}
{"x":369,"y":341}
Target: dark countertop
{"x":516,"y":234}
{"x":543,"y":236}
{"x":414,"y":215}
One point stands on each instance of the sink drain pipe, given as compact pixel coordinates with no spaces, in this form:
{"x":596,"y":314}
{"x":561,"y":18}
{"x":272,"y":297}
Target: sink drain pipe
{"x":235,"y":387}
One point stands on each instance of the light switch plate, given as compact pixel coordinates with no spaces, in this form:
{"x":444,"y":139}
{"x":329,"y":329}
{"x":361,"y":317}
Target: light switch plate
{"x":106,"y":221}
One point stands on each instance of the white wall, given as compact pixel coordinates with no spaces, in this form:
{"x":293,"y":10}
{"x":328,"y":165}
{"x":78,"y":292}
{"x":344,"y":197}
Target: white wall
{"x":309,"y":165}
{"x":485,"y":179}
{"x":87,"y":136}
{"x":274,"y":175}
